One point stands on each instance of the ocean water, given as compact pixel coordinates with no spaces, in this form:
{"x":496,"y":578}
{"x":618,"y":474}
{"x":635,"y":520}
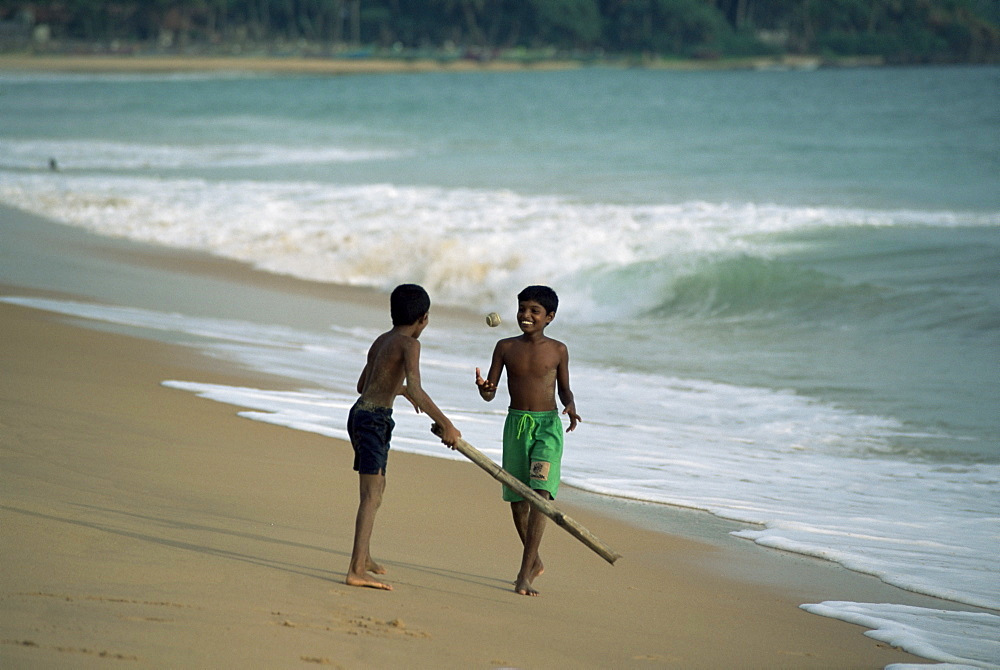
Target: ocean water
{"x":780,"y":289}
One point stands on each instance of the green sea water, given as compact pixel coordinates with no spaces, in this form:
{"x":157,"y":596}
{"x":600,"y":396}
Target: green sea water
{"x":833,"y":232}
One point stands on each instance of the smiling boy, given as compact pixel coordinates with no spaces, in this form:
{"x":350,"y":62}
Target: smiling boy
{"x":537,"y":366}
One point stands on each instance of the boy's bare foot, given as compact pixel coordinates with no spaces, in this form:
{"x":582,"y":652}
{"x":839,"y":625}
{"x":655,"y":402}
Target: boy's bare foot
{"x":366,"y":581}
{"x":523,"y":587}
{"x":374,"y":568}
{"x":536,"y":570}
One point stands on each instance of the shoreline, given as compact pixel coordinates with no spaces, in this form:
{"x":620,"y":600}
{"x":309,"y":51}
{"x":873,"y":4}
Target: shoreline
{"x":147,"y":523}
{"x":277,"y":65}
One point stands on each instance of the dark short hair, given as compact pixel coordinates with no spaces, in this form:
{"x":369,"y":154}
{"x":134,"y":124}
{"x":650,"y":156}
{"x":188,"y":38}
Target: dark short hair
{"x":408,"y":303}
{"x":543,"y":295}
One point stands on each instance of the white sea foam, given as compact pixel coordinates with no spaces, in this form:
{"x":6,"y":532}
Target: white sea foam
{"x":960,"y":640}
{"x":468,"y":247}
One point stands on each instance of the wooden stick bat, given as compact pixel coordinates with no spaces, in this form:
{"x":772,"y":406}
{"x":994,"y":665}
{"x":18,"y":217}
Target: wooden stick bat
{"x":540,"y":503}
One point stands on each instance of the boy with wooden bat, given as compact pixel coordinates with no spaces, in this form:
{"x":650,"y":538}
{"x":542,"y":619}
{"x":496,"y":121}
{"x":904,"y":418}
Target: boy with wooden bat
{"x":391,"y":369}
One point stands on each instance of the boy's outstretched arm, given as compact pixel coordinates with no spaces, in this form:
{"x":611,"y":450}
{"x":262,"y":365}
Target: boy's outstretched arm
{"x":487,"y":389}
{"x":488,"y":386}
{"x":416,"y":394}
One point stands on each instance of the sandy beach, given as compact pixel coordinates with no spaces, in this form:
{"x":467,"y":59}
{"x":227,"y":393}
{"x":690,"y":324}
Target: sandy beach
{"x":297,"y":65}
{"x":142,"y":525}
{"x":96,"y":63}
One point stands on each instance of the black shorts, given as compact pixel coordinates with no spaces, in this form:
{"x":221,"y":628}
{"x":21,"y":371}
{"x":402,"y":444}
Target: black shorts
{"x":370,"y":427}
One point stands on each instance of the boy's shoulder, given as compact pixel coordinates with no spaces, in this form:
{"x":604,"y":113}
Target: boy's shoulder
{"x":393,"y":339}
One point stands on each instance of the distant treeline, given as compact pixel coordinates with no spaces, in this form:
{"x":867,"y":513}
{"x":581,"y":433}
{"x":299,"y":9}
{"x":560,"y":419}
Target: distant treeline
{"x":898,"y":31}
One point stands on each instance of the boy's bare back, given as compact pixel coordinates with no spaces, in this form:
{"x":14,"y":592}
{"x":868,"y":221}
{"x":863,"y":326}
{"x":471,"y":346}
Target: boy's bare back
{"x":393,"y":368}
{"x":389,"y":358}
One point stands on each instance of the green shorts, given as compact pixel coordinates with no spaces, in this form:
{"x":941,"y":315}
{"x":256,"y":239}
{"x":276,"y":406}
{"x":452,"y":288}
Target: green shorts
{"x":532,"y":450}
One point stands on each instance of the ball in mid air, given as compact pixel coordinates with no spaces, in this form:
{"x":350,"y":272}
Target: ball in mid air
{"x":493,"y":319}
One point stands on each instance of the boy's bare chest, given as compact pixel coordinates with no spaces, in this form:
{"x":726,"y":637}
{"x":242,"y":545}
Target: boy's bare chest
{"x":532,"y":361}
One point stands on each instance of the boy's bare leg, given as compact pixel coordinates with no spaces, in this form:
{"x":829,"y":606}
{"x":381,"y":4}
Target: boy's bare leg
{"x":522,"y":513}
{"x":371,"y":489}
{"x":530,"y":524}
{"x":370,"y":563}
